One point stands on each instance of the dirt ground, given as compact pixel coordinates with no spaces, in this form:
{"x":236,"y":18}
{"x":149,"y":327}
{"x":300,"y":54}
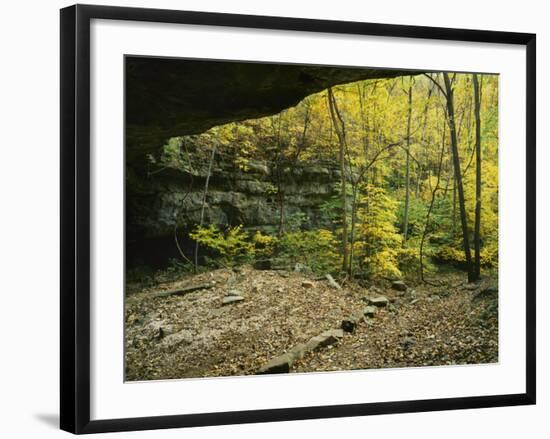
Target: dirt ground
{"x":195,"y":335}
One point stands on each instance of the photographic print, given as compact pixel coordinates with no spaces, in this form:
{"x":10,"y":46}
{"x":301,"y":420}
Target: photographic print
{"x":284,"y":218}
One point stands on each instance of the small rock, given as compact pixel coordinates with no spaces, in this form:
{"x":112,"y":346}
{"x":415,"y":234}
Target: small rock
{"x":325,"y":339}
{"x":308,"y":284}
{"x":237,"y":270}
{"x":379,"y":301}
{"x":471,"y":287}
{"x":280,"y":290}
{"x":349,"y":324}
{"x":332,"y":282}
{"x":414,"y":301}
{"x":369,"y":311}
{"x":232,"y":299}
{"x":399,"y":285}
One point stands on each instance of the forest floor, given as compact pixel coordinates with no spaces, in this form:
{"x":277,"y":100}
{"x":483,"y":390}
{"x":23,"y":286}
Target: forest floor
{"x":196,"y":335}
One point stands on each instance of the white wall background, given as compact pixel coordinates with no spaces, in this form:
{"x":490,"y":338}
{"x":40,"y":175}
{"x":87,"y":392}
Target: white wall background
{"x":29,"y":200}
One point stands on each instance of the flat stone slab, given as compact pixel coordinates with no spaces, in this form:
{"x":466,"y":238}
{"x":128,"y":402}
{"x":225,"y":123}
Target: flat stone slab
{"x":399,"y":285}
{"x":325,"y":339}
{"x":236,"y":293}
{"x":232,"y":299}
{"x":332,"y":282}
{"x":369,"y":311}
{"x":379,"y":301}
{"x":280,"y":364}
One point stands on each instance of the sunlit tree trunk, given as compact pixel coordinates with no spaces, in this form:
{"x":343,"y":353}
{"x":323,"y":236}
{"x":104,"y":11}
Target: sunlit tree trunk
{"x":341,"y":133}
{"x":477,"y":104}
{"x":430,"y":208}
{"x":407,"y":168}
{"x":458,"y":174}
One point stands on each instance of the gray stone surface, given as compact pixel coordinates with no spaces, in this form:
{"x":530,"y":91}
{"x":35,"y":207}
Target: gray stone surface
{"x":379,"y":301}
{"x":332,"y":282}
{"x":369,"y":311}
{"x":234,"y":292}
{"x":399,"y":285}
{"x":232,"y":299}
{"x":280,"y":364}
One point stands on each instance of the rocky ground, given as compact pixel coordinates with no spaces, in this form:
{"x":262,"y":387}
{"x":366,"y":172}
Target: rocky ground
{"x":243,"y":322}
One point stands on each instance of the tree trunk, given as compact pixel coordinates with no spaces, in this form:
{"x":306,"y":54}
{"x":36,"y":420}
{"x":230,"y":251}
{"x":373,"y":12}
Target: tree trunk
{"x":341,"y":133}
{"x":430,"y":208}
{"x":458,"y":175}
{"x":408,"y":169}
{"x":205,"y":193}
{"x":477,"y":258}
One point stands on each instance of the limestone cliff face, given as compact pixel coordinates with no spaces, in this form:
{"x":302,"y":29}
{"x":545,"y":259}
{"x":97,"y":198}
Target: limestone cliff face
{"x":168,"y":97}
{"x":235,"y":196}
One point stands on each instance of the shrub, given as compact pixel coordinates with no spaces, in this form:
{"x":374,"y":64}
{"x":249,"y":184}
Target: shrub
{"x":318,"y":249}
{"x":264,"y":245}
{"x":233,"y":246}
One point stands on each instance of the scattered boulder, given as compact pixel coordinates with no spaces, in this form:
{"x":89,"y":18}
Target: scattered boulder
{"x":379,"y":301}
{"x":284,"y":362}
{"x":308,"y":284}
{"x":280,"y":364}
{"x":369,"y":311}
{"x":349,"y":324}
{"x":232,"y":299}
{"x":325,"y":339}
{"x":332,"y":282}
{"x":399,"y":285}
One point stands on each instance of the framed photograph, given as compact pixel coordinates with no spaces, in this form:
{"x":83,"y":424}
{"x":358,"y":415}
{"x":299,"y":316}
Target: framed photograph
{"x":268,"y":218}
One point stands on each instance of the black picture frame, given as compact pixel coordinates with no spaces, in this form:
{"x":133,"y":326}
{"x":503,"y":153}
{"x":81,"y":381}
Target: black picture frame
{"x":75,"y":217}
